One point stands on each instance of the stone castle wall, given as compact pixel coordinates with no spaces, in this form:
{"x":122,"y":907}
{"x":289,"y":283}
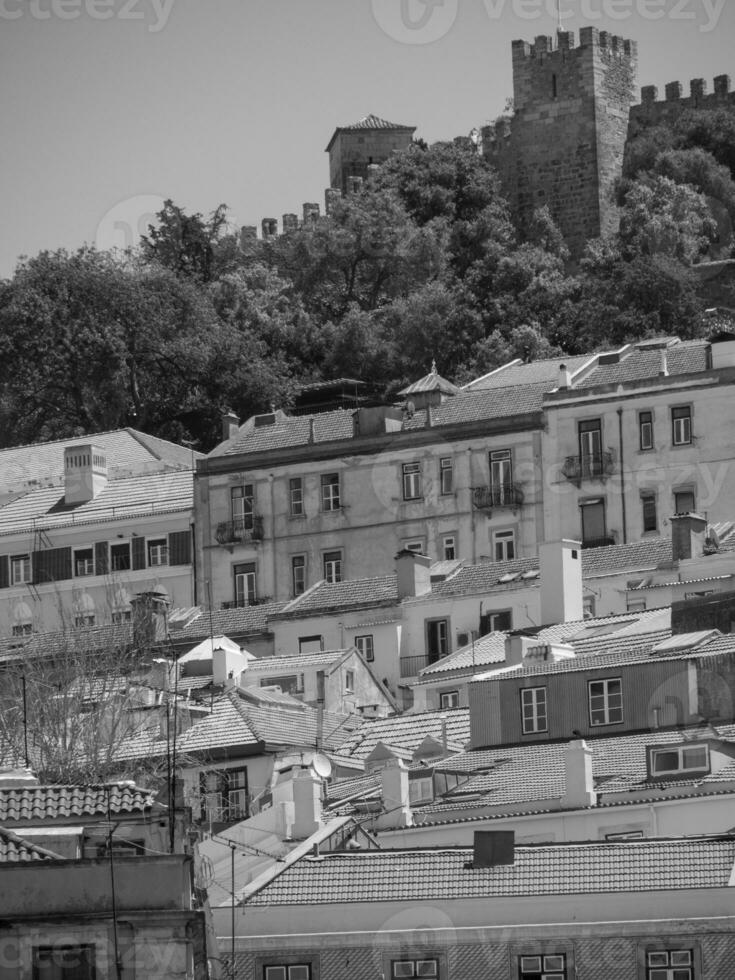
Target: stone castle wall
{"x":653,"y":112}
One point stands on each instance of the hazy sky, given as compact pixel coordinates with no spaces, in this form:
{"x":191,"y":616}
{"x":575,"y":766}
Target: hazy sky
{"x":108,"y":106}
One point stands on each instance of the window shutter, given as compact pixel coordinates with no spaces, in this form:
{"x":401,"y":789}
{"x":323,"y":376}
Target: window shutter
{"x":179,"y":548}
{"x":4,"y":571}
{"x":138,"y":553}
{"x":101,"y":566}
{"x":51,"y":565}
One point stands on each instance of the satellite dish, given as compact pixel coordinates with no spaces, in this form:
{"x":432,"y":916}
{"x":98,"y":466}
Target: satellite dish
{"x":321,"y":766}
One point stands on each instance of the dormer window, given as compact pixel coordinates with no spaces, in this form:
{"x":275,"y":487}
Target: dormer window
{"x":421,"y":790}
{"x":679,"y":760}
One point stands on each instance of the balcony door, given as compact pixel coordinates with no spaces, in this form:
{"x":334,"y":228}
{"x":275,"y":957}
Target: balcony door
{"x":501,"y":476}
{"x":590,"y":447}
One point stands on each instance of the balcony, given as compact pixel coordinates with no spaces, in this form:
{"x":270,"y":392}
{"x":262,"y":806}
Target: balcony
{"x":609,"y":539}
{"x":501,"y":495}
{"x":594,"y":466}
{"x":240,"y":530}
{"x":243,"y":602}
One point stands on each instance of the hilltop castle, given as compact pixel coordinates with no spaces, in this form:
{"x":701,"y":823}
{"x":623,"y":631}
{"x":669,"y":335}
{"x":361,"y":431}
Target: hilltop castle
{"x":574,"y":113}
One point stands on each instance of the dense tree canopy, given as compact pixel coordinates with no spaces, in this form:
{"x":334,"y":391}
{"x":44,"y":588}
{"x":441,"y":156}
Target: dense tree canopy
{"x":423,"y":263}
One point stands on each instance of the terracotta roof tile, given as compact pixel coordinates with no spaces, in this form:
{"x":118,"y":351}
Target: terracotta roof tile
{"x":374,"y":122}
{"x":690,"y":357}
{"x":15,"y":848}
{"x":407,"y":731}
{"x":33,"y":803}
{"x":544,"y":372}
{"x":441,"y":874}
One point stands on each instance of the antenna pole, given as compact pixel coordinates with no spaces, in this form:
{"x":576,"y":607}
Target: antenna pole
{"x":559,"y":25}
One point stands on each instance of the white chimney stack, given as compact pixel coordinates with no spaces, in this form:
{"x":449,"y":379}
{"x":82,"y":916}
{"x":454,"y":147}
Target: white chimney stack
{"x":307,"y":803}
{"x":414,"y":574}
{"x":230,"y":425}
{"x":85,"y":473}
{"x":395,"y":794}
{"x":565,"y":377}
{"x":560,"y":565}
{"x":579,"y":788}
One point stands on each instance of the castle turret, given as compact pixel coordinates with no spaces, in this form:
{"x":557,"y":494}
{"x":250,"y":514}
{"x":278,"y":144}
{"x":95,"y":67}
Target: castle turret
{"x":564,"y":145}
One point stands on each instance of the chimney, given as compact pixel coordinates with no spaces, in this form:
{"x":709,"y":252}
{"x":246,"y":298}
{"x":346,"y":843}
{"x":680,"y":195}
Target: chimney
{"x":85,"y":473}
{"x":723,"y":351}
{"x":230,"y":425}
{"x":414,"y":574}
{"x":663,"y":371}
{"x":579,"y":784}
{"x":150,"y":613}
{"x":560,"y":565}
{"x":517,"y":646}
{"x":565,"y":377}
{"x":493,"y":848}
{"x":227,"y":667}
{"x":395,"y":794}
{"x":307,"y":802}
{"x":688,"y":535}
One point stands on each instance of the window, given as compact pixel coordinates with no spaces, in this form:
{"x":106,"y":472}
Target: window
{"x":635,"y":605}
{"x":330,"y":491}
{"x":494,"y":622}
{"x":411,"y":481}
{"x":681,"y":425}
{"x":349,"y":681}
{"x":449,"y":547}
{"x":414,"y":968}
{"x":22,"y":629}
{"x":501,"y":477}
{"x":311,"y":644}
{"x":245,"y":591}
{"x":437,"y":639}
{"x":648,"y":505}
{"x":594,"y":526}
{"x":333,"y":566}
{"x":416,"y":545}
{"x":64,"y":963}
{"x":504,"y":545}
{"x":421,"y":789}
{"x":645,"y":431}
{"x":242,"y":507}
{"x":224,"y":795}
{"x":298,"y":574}
{"x":446,"y":475}
{"x":296,"y":496}
{"x":679,"y":760}
{"x":590,"y":447}
{"x":83,"y":561}
{"x":533,"y":710}
{"x":84,"y":619}
{"x":120,"y":557}
{"x":157,"y":552}
{"x":549,"y":966}
{"x":606,"y":702}
{"x":295,"y":971}
{"x":365,"y":647}
{"x":449,"y":699}
{"x":122,"y":616}
{"x":20,"y":569}
{"x":670,"y":964}
{"x":684,"y":502}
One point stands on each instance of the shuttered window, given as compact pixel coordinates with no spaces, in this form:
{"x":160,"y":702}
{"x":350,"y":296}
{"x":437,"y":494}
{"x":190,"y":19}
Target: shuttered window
{"x":179,"y":548}
{"x":4,"y":573}
{"x":101,"y":565}
{"x":138,"y":553}
{"x":51,"y":565}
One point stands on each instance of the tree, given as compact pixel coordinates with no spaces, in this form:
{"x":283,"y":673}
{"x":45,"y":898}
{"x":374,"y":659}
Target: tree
{"x":185,"y":243}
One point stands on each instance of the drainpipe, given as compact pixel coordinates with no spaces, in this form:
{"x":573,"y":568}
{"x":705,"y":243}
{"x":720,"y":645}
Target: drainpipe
{"x":622,"y":476}
{"x":273,"y":535}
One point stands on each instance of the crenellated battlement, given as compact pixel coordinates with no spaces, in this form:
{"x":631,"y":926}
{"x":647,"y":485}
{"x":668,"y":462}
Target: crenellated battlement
{"x":559,"y":47}
{"x":311,"y":215}
{"x":653,"y":110}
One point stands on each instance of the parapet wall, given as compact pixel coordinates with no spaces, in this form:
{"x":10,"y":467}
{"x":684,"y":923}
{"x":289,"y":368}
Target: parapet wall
{"x":652,"y":111}
{"x":310,"y":215}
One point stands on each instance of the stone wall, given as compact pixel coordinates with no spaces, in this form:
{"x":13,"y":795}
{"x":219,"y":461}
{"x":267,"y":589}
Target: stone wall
{"x":654,"y":111}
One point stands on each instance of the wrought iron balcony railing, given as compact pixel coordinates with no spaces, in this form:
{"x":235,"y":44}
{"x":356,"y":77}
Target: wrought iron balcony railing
{"x":410,"y":666}
{"x":609,"y":539}
{"x":499,"y":495}
{"x":592,"y":466}
{"x":243,"y":602}
{"x":240,"y":530}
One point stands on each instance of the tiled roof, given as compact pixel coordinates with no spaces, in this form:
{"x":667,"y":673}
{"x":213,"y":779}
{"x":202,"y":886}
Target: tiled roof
{"x":155,"y":493}
{"x":298,"y":662}
{"x":30,"y":804}
{"x":440,"y":874}
{"x":288,"y":430}
{"x":430,"y":382}
{"x":648,"y":553}
{"x":485,"y":576}
{"x":536,"y":372}
{"x":307,"y":727}
{"x":15,"y":848}
{"x":407,"y":731}
{"x":226,"y":726}
{"x":229,"y":622}
{"x":689,"y":357}
{"x":374,"y":122}
{"x":83,"y":640}
{"x":488,"y":649}
{"x":128,"y":452}
{"x":378,"y":590}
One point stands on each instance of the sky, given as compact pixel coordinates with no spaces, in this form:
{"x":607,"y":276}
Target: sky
{"x":110,"y":106}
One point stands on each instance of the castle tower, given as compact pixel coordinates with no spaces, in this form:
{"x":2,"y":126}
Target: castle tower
{"x":564,"y":145}
{"x":354,"y":149}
